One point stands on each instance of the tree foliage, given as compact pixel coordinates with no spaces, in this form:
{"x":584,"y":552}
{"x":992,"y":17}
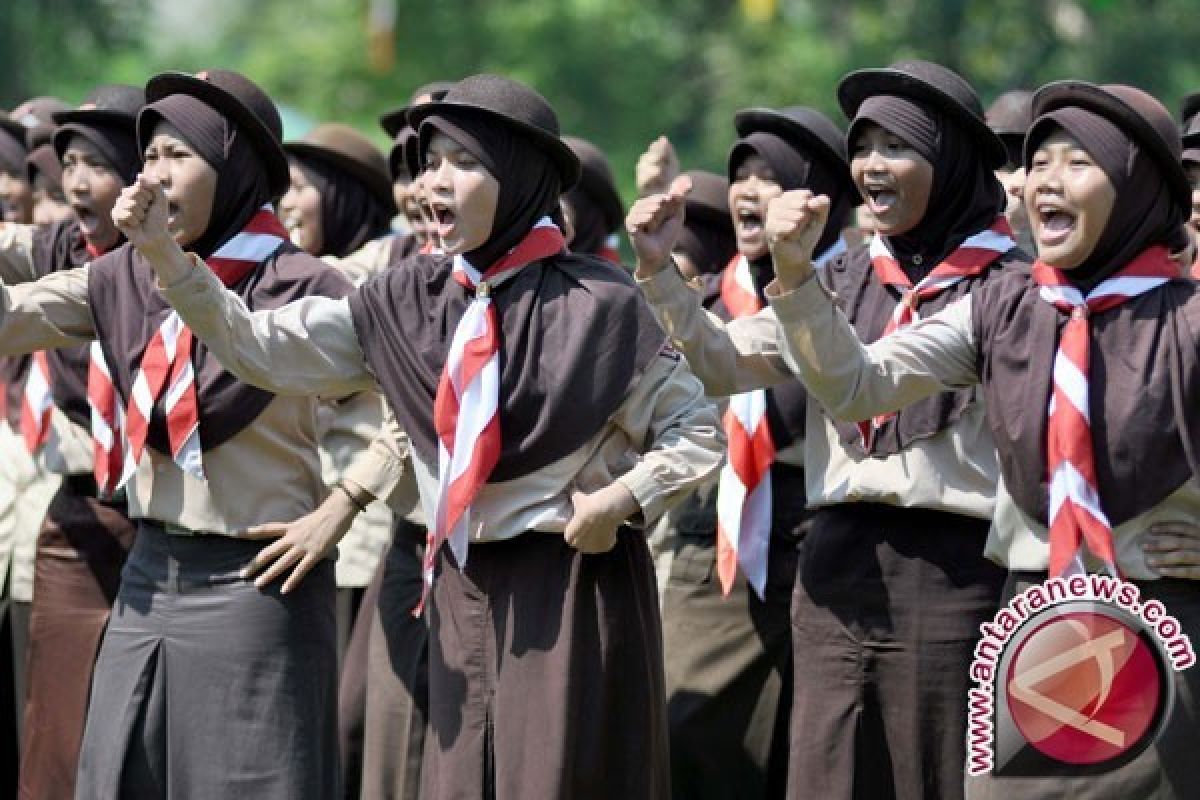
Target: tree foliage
{"x":620,"y":72}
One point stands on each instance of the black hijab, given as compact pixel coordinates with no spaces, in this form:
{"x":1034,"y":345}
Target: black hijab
{"x":116,"y":143}
{"x":12,"y":154}
{"x":529,"y":181}
{"x":1144,"y":213}
{"x":351,"y":215}
{"x":965,"y":197}
{"x":796,"y":168}
{"x":242,"y":184}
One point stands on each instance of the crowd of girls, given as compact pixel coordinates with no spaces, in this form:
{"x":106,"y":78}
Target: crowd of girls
{"x":330,"y":473}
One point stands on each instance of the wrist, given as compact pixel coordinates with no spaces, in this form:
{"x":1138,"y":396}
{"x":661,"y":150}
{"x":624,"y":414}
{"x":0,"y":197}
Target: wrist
{"x":356,"y":496}
{"x":645,"y":269}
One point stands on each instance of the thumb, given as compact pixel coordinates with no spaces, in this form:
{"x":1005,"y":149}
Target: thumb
{"x":680,"y":187}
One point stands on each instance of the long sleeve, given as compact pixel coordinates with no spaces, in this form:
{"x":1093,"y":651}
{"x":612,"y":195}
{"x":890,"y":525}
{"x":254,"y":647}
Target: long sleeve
{"x":47,"y":313}
{"x":16,"y":253}
{"x":728,"y":358}
{"x":855,"y":382}
{"x":380,"y":467}
{"x":668,"y":414}
{"x":308,"y":347}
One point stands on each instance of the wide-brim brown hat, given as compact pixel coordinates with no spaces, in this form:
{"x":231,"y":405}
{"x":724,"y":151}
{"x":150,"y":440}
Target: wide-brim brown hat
{"x":807,"y":129}
{"x":509,"y":103}
{"x":394,"y":121}
{"x":596,"y":179}
{"x":404,"y":154}
{"x":347,"y":149}
{"x":114,"y":105}
{"x":1191,"y":143}
{"x":928,"y":83}
{"x":235,"y":96}
{"x":1140,"y":115}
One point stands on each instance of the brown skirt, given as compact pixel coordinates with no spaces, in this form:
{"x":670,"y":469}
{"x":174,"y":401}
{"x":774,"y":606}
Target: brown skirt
{"x":545,"y":674}
{"x":80,"y":551}
{"x":729,"y":658}
{"x":1168,"y":769}
{"x":885,"y":616}
{"x":397,"y":675}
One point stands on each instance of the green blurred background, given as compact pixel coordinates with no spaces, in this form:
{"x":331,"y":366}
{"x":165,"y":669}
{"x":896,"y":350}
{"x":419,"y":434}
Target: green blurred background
{"x":619,"y":72}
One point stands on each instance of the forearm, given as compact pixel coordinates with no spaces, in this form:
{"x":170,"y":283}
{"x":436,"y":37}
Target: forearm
{"x":685,"y":444}
{"x":308,"y":347}
{"x":45,"y":314}
{"x":854,"y":382}
{"x":728,"y":358}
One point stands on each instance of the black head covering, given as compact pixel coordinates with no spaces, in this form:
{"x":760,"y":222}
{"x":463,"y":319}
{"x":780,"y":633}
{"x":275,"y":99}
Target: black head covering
{"x":965,"y":197}
{"x":12,"y":153}
{"x":1145,"y":212}
{"x":529,"y":180}
{"x":797,"y":168}
{"x":594,"y":199}
{"x":351,"y":215}
{"x":106,"y":119}
{"x":707,"y":237}
{"x":242,"y":182}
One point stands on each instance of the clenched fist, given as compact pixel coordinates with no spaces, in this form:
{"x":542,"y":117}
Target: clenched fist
{"x":795,"y":221}
{"x":596,"y":517}
{"x":656,"y":167}
{"x":141,"y":214}
{"x":654,"y":224}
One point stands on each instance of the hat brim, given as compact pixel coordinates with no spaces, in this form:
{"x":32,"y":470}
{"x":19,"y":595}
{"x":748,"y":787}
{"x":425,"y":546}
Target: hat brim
{"x":268,"y":147}
{"x":1091,"y":97}
{"x":394,"y":121}
{"x":14,"y":128}
{"x":769,"y":120}
{"x":95,"y":116}
{"x":377,"y":183}
{"x":1190,"y":106}
{"x":564,"y":159}
{"x":861,"y":84}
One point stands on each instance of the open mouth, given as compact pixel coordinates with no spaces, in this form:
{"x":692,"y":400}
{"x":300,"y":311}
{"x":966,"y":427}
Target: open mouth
{"x":443,"y":217}
{"x":749,"y":218}
{"x":89,"y":220}
{"x":1055,"y":224}
{"x":881,"y":200}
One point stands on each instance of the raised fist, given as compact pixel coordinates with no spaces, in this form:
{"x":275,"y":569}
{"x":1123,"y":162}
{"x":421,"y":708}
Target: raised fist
{"x":794,"y":224}
{"x":654,"y":224}
{"x":140,"y":213}
{"x":657,"y":167}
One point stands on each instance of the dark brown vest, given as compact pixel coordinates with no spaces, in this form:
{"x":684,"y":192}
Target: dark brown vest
{"x":575,"y":336}
{"x":128,"y":309}
{"x":1144,"y":385}
{"x":869,"y":304}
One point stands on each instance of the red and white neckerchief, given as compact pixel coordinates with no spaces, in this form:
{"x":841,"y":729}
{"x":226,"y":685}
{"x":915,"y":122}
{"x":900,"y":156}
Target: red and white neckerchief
{"x":37,"y":404}
{"x":166,"y":374}
{"x":1076,"y":515}
{"x":610,"y":250}
{"x":744,"y":488}
{"x":969,"y":259}
{"x":108,"y":424}
{"x":427,"y":248}
{"x":467,"y":405}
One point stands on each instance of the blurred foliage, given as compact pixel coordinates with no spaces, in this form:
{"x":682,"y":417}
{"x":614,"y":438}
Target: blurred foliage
{"x":619,"y":72}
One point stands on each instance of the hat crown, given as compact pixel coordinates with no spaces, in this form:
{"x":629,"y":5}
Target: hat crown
{"x":507,"y":98}
{"x":590,"y":157}
{"x":710,"y":192}
{"x":944,"y":80}
{"x":345,"y":141}
{"x":248,"y":93}
{"x":1152,"y":111}
{"x":1011,"y":113}
{"x":115,"y":98}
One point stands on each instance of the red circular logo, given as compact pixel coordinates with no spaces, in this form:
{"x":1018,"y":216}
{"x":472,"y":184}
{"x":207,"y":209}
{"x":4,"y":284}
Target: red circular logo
{"x":1084,"y":688}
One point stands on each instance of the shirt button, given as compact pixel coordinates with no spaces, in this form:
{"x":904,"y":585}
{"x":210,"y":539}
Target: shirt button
{"x":917,"y":260}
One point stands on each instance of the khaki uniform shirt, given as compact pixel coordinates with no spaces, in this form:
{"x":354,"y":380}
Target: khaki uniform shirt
{"x":268,"y":472}
{"x":663,"y":439}
{"x":937,"y":353}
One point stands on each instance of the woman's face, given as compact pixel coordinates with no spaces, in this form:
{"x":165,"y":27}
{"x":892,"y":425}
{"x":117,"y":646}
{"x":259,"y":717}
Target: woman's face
{"x":895,"y":181}
{"x":461,"y":193}
{"x":187,"y":179}
{"x":300,"y":209}
{"x":16,"y":199}
{"x":754,"y":186}
{"x":91,"y":186}
{"x":1193,"y":173}
{"x":1069,"y":199}
{"x":49,"y":203}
